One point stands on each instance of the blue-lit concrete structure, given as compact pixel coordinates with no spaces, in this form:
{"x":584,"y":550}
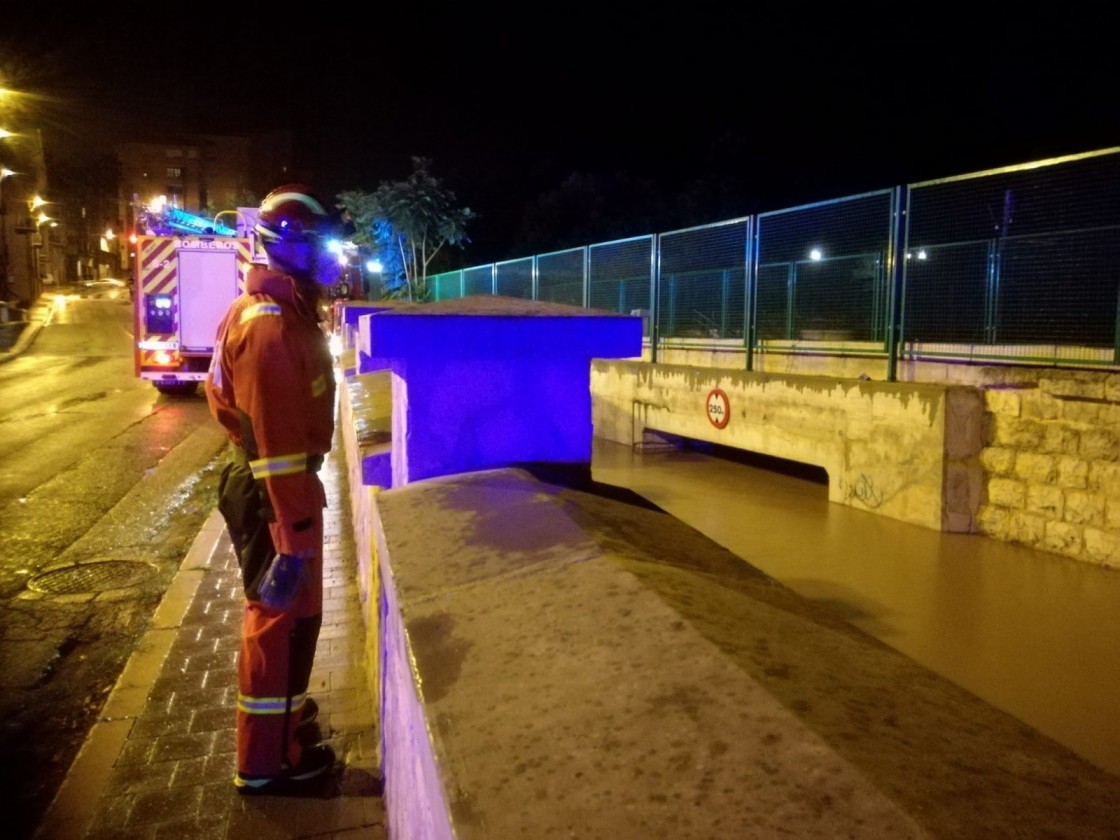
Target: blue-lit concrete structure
{"x":490,"y":381}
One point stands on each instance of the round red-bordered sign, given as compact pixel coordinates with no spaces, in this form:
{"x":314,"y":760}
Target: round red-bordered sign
{"x":718,"y":407}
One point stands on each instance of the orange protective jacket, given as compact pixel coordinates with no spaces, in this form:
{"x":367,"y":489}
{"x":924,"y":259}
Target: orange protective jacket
{"x":271,"y":386}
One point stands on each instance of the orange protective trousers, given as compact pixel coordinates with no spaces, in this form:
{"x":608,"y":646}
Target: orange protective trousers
{"x":277,"y":645}
{"x":273,"y":674}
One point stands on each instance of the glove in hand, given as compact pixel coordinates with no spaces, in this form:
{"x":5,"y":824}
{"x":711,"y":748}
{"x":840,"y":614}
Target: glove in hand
{"x":282,"y":582}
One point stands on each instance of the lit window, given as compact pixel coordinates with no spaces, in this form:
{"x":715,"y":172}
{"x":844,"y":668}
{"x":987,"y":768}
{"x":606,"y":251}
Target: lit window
{"x":174,"y":173}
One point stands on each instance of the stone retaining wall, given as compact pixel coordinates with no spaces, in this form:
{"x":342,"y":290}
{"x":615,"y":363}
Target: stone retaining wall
{"x":1052,"y":465}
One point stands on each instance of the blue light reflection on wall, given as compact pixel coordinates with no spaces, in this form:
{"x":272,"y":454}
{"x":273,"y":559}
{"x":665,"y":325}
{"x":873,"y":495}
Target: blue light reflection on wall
{"x":484,"y":382}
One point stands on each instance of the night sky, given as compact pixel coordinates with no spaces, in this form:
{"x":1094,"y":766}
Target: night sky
{"x":776,"y":107}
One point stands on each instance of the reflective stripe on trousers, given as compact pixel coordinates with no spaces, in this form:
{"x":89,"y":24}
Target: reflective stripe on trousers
{"x":273,"y":673}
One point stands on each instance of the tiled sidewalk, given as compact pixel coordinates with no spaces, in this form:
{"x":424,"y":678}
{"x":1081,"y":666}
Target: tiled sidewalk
{"x":160,"y":761}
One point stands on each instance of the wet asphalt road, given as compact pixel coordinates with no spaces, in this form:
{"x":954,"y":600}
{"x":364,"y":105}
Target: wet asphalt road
{"x":104,"y":485}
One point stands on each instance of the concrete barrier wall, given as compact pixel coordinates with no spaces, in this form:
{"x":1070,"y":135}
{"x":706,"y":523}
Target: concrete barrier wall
{"x":565,"y":663}
{"x":364,"y":421}
{"x":536,"y":687}
{"x":904,"y":450}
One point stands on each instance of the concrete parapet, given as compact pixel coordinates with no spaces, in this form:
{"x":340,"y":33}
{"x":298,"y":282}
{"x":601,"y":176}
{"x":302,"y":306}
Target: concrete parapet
{"x":905,"y":450}
{"x":488,"y":381}
{"x":364,"y":419}
{"x":347,"y":314}
{"x":568,"y":662}
{"x":535,"y":688}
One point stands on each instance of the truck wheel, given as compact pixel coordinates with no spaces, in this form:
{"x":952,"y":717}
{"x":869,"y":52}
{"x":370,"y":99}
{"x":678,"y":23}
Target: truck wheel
{"x":178,"y":389}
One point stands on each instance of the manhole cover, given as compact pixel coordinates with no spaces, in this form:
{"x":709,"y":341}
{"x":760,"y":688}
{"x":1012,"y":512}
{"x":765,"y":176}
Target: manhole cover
{"x":97,"y":576}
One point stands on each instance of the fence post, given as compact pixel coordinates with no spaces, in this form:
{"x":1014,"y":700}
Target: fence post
{"x":896,"y":260}
{"x":750,"y":293}
{"x":654,"y":295}
{"x":586,"y":277}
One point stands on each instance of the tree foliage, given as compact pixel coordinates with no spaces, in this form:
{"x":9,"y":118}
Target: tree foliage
{"x":406,"y":224}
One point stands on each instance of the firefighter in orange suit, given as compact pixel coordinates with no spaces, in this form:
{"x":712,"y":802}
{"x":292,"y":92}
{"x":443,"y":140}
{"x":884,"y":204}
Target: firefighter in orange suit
{"x":271,"y":386}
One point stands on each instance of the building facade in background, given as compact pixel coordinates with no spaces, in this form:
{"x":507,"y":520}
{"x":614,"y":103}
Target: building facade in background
{"x":82,"y":230}
{"x":203,"y":174}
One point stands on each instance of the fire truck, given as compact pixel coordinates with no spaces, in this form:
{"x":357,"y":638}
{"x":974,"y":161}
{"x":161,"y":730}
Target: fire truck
{"x":187,"y":270}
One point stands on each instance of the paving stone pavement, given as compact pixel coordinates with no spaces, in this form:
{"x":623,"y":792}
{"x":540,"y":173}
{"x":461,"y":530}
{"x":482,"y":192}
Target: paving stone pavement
{"x":159,"y":762}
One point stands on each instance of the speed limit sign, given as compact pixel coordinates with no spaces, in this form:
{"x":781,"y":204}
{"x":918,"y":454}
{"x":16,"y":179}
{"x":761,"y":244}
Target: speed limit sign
{"x":719,"y":409}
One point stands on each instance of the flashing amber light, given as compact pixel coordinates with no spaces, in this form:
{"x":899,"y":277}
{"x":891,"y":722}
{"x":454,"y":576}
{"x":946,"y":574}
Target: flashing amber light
{"x":165,"y":358}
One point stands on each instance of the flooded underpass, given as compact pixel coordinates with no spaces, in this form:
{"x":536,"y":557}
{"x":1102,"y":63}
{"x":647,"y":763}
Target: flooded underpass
{"x":1030,"y":632}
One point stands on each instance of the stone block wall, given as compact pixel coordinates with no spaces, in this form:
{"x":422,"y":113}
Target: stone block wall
{"x":1052,"y":464}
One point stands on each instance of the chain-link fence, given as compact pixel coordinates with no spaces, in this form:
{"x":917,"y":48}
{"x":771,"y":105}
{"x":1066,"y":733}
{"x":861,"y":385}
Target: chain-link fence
{"x":1020,"y":264}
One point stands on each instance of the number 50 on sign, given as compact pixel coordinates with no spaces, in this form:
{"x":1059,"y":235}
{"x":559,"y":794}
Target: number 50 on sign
{"x":719,"y":409}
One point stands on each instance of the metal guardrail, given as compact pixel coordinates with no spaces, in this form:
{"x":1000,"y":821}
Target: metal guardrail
{"x":1015,"y":265}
